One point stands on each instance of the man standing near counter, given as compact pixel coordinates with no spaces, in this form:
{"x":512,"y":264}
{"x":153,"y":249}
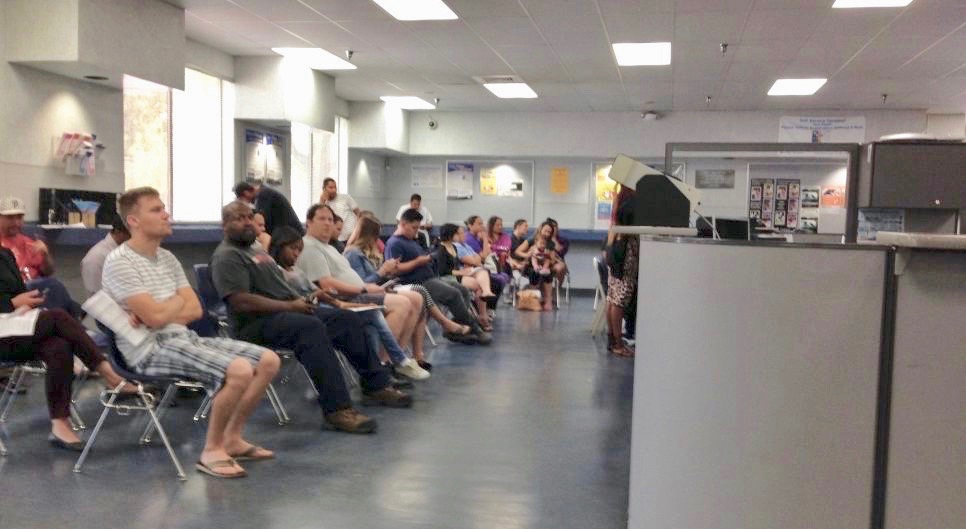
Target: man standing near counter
{"x":273,"y":205}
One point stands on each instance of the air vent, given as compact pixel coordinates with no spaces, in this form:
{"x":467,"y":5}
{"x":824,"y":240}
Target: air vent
{"x":483,"y":79}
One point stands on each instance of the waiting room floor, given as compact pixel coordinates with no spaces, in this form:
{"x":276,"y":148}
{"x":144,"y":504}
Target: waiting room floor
{"x":530,"y":432}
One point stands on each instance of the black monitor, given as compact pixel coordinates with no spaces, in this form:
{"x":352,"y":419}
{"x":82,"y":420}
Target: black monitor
{"x":733,"y":228}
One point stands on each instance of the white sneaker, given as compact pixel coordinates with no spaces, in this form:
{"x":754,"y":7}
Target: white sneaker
{"x":410,"y":369}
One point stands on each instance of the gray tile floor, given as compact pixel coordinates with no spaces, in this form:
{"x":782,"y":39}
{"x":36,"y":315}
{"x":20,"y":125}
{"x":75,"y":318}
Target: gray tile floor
{"x":533,"y":431}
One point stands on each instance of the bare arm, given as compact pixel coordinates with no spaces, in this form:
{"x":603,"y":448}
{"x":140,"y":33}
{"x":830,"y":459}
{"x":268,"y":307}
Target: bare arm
{"x":246,"y":302}
{"x":341,"y":287}
{"x":191,"y":311}
{"x":522,"y":251}
{"x":156,"y":314}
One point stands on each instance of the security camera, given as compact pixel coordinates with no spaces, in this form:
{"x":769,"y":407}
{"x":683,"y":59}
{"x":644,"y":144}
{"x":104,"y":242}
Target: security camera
{"x":433,"y":124}
{"x":650,"y":115}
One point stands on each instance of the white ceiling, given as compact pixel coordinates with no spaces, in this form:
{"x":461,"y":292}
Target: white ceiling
{"x":916,"y":55}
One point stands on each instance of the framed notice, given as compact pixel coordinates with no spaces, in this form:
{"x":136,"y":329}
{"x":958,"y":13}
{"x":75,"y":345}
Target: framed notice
{"x":459,"y":180}
{"x":714,"y":178}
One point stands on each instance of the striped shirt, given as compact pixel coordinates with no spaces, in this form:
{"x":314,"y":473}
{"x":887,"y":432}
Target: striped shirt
{"x":128,"y":273}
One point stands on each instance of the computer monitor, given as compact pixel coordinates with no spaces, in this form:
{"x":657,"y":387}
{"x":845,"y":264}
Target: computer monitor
{"x":733,"y":228}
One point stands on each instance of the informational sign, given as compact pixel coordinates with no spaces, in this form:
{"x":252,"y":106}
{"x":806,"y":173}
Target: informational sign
{"x":604,"y":193}
{"x":274,"y":159}
{"x":459,"y":180}
{"x":714,"y":178}
{"x":810,"y":197}
{"x":874,"y":220}
{"x":806,"y":129}
{"x":560,"y":180}
{"x":427,"y":176}
{"x":833,"y":197}
{"x":488,"y":181}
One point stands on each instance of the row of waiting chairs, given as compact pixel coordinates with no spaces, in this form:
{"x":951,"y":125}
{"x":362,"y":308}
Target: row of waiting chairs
{"x":145,"y":401}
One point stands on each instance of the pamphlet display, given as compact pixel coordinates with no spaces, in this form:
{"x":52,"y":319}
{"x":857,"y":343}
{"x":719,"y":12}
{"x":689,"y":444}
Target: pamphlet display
{"x":761,"y":200}
{"x":604,"y":193}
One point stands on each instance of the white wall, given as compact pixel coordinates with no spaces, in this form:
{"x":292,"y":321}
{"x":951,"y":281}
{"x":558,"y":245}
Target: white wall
{"x":274,"y":88}
{"x":209,"y":60}
{"x":605,"y":134}
{"x":376,"y":125}
{"x":35,"y":108}
{"x":368,"y":183}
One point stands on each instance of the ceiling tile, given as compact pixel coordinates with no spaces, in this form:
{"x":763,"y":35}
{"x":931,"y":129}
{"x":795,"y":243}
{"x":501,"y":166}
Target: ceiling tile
{"x":926,"y":18}
{"x":328,"y":35}
{"x":639,"y":27}
{"x":280,"y":10}
{"x":776,"y":24}
{"x":708,"y":26}
{"x":698,"y":6}
{"x":754,"y":51}
{"x":264,"y":33}
{"x":507,"y":31}
{"x":349,"y":9}
{"x":472,"y":9}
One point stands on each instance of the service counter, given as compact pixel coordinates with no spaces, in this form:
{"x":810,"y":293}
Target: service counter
{"x":798,"y":386}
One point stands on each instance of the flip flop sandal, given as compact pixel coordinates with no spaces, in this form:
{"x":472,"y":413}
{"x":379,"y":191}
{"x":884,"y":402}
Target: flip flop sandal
{"x":210,"y":469}
{"x":249,"y":455}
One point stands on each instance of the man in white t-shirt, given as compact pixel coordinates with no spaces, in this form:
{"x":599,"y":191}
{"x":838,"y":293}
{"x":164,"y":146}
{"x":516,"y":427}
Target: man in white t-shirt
{"x":149,"y":283}
{"x":342,"y":205}
{"x":92,"y":265}
{"x":416,"y":202}
{"x":326,"y":267}
{"x":425,"y":225}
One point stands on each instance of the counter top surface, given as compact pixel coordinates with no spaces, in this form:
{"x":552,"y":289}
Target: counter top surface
{"x":931,"y":241}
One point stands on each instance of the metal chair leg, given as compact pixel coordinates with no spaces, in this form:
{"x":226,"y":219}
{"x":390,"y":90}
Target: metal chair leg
{"x":13,"y":384}
{"x":429,"y":334}
{"x":202,"y":412}
{"x":280,"y":412}
{"x":97,"y":429}
{"x":164,"y":439}
{"x":162,"y":409}
{"x":3,"y":448}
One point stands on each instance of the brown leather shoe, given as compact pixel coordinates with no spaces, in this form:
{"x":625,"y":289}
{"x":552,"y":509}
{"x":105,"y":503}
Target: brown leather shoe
{"x":350,"y":421}
{"x":387,"y":396}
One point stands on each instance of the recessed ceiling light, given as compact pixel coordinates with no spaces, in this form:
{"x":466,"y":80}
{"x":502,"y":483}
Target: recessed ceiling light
{"x":417,"y":9}
{"x":796,"y":87}
{"x":642,"y":53}
{"x":408,"y":102}
{"x":315,"y":58}
{"x":843,"y":4}
{"x":511,"y":90}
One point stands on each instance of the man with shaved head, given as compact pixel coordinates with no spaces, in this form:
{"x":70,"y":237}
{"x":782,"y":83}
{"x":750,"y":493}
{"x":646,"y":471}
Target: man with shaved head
{"x":264,"y":309}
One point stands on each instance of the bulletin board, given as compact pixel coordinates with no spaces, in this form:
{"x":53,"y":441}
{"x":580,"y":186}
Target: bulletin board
{"x":500,"y":197}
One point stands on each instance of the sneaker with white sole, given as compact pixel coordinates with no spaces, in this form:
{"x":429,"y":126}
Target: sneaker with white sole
{"x":410,"y":369}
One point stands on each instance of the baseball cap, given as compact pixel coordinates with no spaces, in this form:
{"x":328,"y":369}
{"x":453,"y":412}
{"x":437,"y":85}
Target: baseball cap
{"x":11,"y":206}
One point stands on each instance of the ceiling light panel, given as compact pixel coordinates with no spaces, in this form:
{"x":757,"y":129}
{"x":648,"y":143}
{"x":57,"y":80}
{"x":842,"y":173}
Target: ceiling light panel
{"x":511,"y":90}
{"x":796,"y":87}
{"x":407,"y":10}
{"x":845,"y":4}
{"x":642,"y":53}
{"x":315,"y":58}
{"x":408,"y":102}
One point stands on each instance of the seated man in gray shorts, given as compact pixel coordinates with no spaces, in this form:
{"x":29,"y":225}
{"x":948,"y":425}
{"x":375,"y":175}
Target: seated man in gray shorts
{"x":149,"y":282}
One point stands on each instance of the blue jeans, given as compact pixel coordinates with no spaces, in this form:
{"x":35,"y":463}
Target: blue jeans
{"x":378,"y":333}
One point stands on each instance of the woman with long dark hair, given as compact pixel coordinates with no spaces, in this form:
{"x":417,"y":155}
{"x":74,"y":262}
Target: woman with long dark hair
{"x":622,"y":254}
{"x":56,"y":338}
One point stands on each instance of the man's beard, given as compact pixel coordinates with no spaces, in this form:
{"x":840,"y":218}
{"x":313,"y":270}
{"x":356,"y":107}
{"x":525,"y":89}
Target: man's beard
{"x":244,"y":238}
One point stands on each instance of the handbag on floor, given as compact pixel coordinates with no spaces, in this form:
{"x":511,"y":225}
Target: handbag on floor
{"x":529,"y":300}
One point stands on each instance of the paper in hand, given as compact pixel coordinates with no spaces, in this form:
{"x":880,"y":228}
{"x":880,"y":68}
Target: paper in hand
{"x":107,"y":311}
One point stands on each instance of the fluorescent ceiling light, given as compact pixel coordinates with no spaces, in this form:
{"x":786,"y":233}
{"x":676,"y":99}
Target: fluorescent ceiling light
{"x":842,"y":4}
{"x":642,"y":53}
{"x":315,"y":58}
{"x":417,"y":9}
{"x":408,"y":102}
{"x":511,"y":90}
{"x":796,"y":87}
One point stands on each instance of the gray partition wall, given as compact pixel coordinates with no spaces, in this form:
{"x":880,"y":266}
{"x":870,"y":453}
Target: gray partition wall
{"x":755,"y":394}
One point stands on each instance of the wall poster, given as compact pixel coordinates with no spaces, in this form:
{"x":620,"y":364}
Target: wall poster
{"x":459,"y":180}
{"x":560,"y":180}
{"x":604,"y":193}
{"x":810,"y":197}
{"x":426,"y":176}
{"x":488,"y":181}
{"x":264,"y":157}
{"x":874,"y":220}
{"x":787,"y":201}
{"x":833,"y":197}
